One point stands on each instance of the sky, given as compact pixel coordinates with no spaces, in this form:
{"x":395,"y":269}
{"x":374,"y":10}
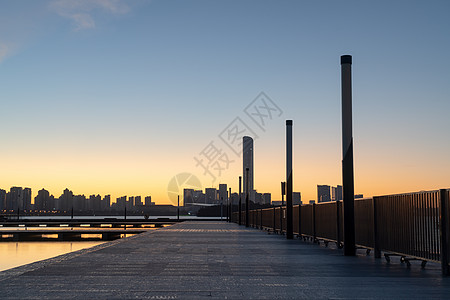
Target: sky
{"x":126,"y":97}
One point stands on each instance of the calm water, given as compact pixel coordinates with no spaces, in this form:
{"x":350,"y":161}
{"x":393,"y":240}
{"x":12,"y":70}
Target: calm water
{"x":14,"y":254}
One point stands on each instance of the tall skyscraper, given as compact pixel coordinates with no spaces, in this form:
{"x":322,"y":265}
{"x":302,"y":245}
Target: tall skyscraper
{"x":247,"y":159}
{"x":323,"y":193}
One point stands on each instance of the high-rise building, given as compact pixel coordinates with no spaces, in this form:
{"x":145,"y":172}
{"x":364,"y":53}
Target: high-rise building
{"x":120,"y":202}
{"x":148,"y":201}
{"x":66,"y":200}
{"x":198,"y":196}
{"x":211,"y":196}
{"x":188,"y":197}
{"x":42,"y":201}
{"x":336,"y":193}
{"x":137,"y":201}
{"x":106,"y":202}
{"x":2,"y":199}
{"x":15,"y":198}
{"x":80,"y":203}
{"x":223,"y":193}
{"x":323,"y":193}
{"x":267,"y":197}
{"x":247,"y":160}
{"x":26,"y":196}
{"x":296,"y":198}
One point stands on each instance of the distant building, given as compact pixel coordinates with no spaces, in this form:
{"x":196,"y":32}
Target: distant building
{"x":106,"y":202}
{"x":198,"y":196}
{"x":312,"y":201}
{"x":276,"y":202}
{"x":223,"y":194}
{"x":296,"y":198}
{"x":211,"y":196}
{"x":267,"y":198}
{"x":359,"y":196}
{"x":14,"y":198}
{"x":2,"y":199}
{"x":148,"y":201}
{"x":95,"y":202}
{"x":80,"y":203}
{"x":323,"y":193}
{"x":26,"y":196}
{"x":336,"y":193}
{"x":258,"y":198}
{"x":235,"y":198}
{"x":42,"y":201}
{"x":120,"y":202}
{"x":137,"y":201}
{"x":66,"y":200}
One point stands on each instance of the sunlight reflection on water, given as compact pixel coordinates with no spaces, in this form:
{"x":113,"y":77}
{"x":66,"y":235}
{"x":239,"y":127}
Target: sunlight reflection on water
{"x":14,"y":254}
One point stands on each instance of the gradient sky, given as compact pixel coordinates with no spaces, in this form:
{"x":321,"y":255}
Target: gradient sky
{"x":117,"y":97}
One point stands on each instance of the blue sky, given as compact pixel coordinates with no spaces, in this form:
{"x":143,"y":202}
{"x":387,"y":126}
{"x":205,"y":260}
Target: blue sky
{"x":119,"y":96}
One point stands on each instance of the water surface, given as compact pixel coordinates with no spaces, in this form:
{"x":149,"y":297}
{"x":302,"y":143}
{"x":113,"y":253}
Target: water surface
{"x":14,"y":254}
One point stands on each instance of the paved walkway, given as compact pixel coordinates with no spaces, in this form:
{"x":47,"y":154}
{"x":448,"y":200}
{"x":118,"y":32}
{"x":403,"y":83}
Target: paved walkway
{"x":196,"y":260}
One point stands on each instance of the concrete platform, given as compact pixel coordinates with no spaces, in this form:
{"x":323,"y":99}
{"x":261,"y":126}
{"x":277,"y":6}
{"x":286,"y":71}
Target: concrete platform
{"x":218,"y":260}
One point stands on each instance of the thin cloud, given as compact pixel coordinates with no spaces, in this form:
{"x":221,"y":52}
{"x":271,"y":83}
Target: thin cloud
{"x":81,"y":11}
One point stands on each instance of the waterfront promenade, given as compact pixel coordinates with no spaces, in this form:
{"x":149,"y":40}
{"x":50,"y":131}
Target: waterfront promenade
{"x":219,"y":260}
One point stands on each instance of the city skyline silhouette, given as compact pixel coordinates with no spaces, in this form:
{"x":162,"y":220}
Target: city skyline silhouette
{"x":123,"y":99}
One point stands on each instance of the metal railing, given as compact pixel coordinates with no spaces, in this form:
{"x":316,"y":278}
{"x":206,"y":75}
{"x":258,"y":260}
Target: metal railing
{"x":413,"y":225}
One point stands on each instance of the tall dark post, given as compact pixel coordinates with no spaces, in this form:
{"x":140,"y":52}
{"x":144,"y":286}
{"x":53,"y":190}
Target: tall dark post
{"x":125,"y":214}
{"x":246,"y":201}
{"x":18,"y":213}
{"x":178,"y":209}
{"x":289,"y":207}
{"x":283,"y":192}
{"x":240,"y":201}
{"x":71,"y":214}
{"x":230,"y":204}
{"x":443,"y":218}
{"x":347,"y":154}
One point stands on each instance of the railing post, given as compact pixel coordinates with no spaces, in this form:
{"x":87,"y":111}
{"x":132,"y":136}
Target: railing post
{"x":299,"y":220}
{"x":376,"y":240}
{"x":338,"y":224}
{"x":283,"y":192}
{"x":240,"y":202}
{"x":230,"y":203}
{"x":443,"y":216}
{"x":314,"y":222}
{"x":274,"y":219}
